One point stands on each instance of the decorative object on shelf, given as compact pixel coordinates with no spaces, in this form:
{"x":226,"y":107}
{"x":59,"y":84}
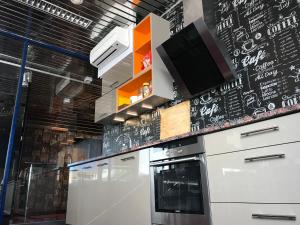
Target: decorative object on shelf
{"x":146,"y":89}
{"x":147,"y":60}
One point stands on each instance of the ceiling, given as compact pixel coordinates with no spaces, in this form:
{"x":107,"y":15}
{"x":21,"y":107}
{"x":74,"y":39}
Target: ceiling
{"x":46,"y":107}
{"x":104,"y":14}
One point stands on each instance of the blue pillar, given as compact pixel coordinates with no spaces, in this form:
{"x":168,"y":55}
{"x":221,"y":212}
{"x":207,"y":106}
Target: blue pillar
{"x":9,"y":153}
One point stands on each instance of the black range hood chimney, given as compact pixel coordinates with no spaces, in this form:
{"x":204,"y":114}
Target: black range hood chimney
{"x":195,"y":58}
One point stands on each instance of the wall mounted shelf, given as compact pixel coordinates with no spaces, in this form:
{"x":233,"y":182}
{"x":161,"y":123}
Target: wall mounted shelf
{"x":147,"y":36}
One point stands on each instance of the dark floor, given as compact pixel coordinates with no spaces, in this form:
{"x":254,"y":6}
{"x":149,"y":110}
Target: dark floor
{"x":44,"y":223}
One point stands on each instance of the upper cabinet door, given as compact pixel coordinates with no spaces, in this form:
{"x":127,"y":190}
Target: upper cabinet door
{"x":271,"y":132}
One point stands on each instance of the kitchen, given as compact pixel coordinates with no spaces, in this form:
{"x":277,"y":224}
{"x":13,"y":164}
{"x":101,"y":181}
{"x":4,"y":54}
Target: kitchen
{"x":223,"y":149}
{"x":150,"y":112}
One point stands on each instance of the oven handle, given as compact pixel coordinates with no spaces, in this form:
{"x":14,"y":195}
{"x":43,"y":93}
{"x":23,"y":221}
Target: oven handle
{"x":195,"y":158}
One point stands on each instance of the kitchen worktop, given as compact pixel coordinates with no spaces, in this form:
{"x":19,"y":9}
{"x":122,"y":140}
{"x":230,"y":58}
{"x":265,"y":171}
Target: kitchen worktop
{"x":246,"y":120}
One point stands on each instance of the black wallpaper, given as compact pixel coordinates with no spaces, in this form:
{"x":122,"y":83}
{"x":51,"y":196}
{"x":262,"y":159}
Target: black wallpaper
{"x":262,"y":38}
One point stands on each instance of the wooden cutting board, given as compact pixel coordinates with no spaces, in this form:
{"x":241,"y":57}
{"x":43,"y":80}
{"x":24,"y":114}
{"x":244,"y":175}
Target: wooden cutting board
{"x":175,"y":120}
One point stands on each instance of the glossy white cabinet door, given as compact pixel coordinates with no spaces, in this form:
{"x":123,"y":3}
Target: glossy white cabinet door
{"x":73,"y":204}
{"x":129,"y":190}
{"x":95,"y":192}
{"x":264,"y":175}
{"x":121,"y":195}
{"x":261,"y":134}
{"x":241,"y":214}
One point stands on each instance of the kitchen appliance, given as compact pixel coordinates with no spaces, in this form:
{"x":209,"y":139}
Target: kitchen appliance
{"x":113,"y":46}
{"x":196,"y":60}
{"x":179,"y":188}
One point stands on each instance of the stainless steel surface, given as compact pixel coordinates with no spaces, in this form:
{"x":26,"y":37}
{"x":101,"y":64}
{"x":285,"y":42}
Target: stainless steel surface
{"x":259,"y":131}
{"x":162,"y":156}
{"x":102,"y":164}
{"x":195,"y":158}
{"x":128,"y":158}
{"x":265,"y":157}
{"x":274,"y":217}
{"x":161,"y":153}
{"x":192,"y":10}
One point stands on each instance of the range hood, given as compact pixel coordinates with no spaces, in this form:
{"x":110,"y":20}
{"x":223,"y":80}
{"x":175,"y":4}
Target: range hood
{"x":196,"y":60}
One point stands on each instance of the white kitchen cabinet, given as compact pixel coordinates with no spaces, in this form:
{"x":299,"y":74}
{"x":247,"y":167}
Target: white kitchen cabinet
{"x":129,"y":190}
{"x":270,"y":132}
{"x":255,"y":214}
{"x":114,"y":191}
{"x":264,"y":175}
{"x":73,"y":206}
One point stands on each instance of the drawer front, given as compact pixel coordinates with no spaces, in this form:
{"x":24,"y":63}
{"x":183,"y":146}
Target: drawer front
{"x":252,"y":214}
{"x":270,"y":132}
{"x":264,"y":175}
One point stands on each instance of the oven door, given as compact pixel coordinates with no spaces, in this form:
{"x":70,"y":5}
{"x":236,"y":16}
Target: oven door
{"x":179,"y":191}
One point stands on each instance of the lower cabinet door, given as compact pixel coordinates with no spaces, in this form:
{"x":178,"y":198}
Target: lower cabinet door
{"x":73,"y":203}
{"x":264,"y":175}
{"x":130,"y":189}
{"x":123,"y":191}
{"x":94,"y":192}
{"x":255,"y":214}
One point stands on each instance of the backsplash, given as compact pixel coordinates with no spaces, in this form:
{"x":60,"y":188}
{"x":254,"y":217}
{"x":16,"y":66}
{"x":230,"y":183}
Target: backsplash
{"x":263,"y":39}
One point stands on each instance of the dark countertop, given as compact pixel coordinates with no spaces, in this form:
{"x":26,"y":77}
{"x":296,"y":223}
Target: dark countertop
{"x":244,"y":121}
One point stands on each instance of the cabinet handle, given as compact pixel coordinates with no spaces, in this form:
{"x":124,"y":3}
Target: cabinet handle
{"x":265,"y":157}
{"x":115,"y":84}
{"x":102,"y":164}
{"x":264,"y":130}
{"x":128,"y":158}
{"x":273,"y":217}
{"x":87,"y":167}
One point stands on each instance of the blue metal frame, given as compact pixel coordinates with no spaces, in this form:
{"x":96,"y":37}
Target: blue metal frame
{"x":64,"y":51}
{"x":26,"y":42}
{"x":9,"y":153}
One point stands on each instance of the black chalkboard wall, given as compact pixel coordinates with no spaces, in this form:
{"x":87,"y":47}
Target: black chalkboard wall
{"x":263,"y":39}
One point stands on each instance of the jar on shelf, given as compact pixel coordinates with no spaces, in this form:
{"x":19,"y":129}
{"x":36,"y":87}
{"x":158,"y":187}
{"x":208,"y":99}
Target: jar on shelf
{"x":146,"y":89}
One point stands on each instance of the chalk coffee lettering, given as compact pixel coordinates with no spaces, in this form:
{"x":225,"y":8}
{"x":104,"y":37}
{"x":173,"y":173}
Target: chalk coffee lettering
{"x":209,"y":111}
{"x":236,"y":3}
{"x":290,"y":101}
{"x":253,"y":60}
{"x":223,"y":7}
{"x":145,"y":131}
{"x":268,"y":84}
{"x":283,"y":24}
{"x":264,"y":66}
{"x":254,"y":8}
{"x":266,"y":74}
{"x":224,"y":24}
{"x":231,"y":85}
{"x":282,"y":4}
{"x":250,"y":100}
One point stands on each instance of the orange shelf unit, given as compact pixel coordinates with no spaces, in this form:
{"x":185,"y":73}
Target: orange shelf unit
{"x":132,"y":88}
{"x":141,"y":43}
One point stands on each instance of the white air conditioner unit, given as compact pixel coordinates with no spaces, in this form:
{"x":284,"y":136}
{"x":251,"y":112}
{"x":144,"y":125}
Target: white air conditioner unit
{"x":111,"y":47}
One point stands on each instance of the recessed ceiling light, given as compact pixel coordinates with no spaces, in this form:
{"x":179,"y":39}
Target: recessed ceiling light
{"x":58,"y":11}
{"x":131,"y":113}
{"x":119,"y":119}
{"x":147,"y":106}
{"x":77,"y":2}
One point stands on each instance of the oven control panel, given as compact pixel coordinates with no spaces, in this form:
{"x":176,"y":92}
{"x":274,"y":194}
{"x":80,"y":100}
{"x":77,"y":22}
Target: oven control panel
{"x":179,"y":148}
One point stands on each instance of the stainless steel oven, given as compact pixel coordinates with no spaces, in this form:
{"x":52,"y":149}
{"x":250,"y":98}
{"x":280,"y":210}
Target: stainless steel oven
{"x":179,"y":188}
